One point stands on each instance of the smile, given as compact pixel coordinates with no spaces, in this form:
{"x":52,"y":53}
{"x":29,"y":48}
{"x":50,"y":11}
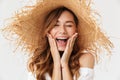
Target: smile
{"x":61,"y":41}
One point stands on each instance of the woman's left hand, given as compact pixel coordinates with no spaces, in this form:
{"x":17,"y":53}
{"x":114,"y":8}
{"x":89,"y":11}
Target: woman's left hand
{"x":68,"y":50}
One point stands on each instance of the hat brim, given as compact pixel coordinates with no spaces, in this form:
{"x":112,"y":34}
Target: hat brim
{"x":29,"y":22}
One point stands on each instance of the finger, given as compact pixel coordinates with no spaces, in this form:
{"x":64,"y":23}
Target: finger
{"x":67,"y":52}
{"x":70,"y":42}
{"x":52,"y":43}
{"x":51,"y":40}
{"x":69,"y":48}
{"x":53,"y":47}
{"x":74,"y":36}
{"x":72,"y":39}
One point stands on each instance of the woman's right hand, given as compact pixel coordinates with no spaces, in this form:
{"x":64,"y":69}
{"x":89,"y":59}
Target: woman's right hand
{"x":54,"y":50}
{"x":56,"y":75}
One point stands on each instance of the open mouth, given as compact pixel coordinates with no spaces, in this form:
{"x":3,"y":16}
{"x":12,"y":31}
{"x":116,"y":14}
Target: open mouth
{"x":61,"y":41}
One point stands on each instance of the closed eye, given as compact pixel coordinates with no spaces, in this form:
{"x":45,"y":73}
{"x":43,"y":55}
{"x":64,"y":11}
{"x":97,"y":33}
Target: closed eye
{"x":56,"y":25}
{"x":68,"y":25}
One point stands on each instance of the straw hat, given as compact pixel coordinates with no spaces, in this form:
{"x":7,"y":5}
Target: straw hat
{"x":28,"y":21}
{"x":80,"y":8}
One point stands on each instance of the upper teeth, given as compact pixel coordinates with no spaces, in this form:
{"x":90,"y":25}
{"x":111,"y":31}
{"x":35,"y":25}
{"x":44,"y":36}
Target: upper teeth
{"x":61,"y":38}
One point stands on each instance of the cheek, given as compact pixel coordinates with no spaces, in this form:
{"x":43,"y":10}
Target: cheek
{"x":72,"y":31}
{"x":52,"y":32}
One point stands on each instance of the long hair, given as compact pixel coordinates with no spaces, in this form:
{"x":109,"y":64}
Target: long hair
{"x":42,"y":59}
{"x":32,"y":37}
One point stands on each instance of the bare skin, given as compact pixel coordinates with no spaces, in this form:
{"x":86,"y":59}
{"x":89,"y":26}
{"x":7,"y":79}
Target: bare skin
{"x":61,"y":64}
{"x":65,"y":28}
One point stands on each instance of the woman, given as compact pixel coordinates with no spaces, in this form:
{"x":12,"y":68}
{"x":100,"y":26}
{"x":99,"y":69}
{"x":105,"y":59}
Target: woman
{"x":63,"y":39}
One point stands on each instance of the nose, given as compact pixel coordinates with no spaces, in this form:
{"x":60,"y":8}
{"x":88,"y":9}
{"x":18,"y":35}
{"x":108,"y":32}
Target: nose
{"x":62,"y":30}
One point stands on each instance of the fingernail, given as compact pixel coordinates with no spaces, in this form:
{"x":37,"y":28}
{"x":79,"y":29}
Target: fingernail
{"x":76,"y":34}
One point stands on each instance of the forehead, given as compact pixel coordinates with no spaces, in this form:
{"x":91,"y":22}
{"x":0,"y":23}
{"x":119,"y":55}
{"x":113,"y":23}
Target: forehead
{"x":67,"y":13}
{"x":66,"y":16}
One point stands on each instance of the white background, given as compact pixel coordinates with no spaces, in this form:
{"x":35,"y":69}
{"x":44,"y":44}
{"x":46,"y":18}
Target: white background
{"x":13,"y":65}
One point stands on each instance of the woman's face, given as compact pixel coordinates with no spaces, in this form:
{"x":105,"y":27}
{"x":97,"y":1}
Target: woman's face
{"x":63,"y":29}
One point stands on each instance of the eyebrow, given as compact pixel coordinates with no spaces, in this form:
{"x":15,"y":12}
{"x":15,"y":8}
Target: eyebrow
{"x":68,"y":21}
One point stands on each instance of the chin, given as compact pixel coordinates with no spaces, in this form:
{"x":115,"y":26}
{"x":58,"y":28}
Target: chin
{"x":61,"y":49}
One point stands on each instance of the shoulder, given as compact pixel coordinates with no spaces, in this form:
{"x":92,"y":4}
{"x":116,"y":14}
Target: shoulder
{"x":87,"y":60}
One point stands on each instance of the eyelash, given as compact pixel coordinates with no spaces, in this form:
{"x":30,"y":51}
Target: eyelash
{"x":69,"y":25}
{"x":65,"y":25}
{"x":56,"y":25}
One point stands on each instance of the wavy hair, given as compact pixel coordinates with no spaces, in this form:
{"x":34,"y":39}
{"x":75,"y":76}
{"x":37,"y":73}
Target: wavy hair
{"x":32,"y":37}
